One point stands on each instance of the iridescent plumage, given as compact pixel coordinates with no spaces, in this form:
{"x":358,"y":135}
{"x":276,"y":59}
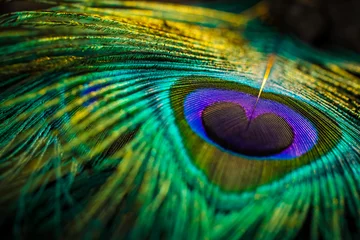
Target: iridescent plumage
{"x":102,"y":136}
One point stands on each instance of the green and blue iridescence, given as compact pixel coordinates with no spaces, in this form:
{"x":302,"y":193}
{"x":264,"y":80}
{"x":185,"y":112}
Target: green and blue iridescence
{"x":112,"y":129}
{"x":91,"y":89}
{"x":314,"y":133}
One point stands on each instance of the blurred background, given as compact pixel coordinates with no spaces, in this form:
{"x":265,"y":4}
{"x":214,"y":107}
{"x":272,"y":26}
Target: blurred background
{"x":322,"y":23}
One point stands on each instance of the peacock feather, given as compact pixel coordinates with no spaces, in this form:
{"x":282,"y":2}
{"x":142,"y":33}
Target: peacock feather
{"x":123,"y":119}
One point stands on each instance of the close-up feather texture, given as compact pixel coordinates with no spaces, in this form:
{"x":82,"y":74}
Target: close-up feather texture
{"x":147,"y":120}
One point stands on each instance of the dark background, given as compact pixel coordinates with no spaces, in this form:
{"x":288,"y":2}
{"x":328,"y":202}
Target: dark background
{"x":322,"y":23}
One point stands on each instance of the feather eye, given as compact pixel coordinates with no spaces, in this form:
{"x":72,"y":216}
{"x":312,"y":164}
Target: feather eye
{"x":135,"y":120}
{"x":284,"y":133}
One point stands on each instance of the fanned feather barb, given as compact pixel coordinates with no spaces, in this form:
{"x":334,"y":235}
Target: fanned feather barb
{"x":137,"y":120}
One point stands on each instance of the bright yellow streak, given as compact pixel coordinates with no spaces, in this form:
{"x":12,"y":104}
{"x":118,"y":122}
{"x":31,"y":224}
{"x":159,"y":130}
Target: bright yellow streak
{"x":266,"y":76}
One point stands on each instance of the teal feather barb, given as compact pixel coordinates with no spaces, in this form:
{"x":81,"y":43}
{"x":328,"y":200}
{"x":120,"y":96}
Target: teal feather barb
{"x":123,"y":119}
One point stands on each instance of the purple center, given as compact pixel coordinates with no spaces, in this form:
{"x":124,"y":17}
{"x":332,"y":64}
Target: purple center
{"x":304,"y":134}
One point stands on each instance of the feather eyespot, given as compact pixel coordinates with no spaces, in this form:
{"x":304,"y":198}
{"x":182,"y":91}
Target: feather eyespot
{"x":239,"y":149}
